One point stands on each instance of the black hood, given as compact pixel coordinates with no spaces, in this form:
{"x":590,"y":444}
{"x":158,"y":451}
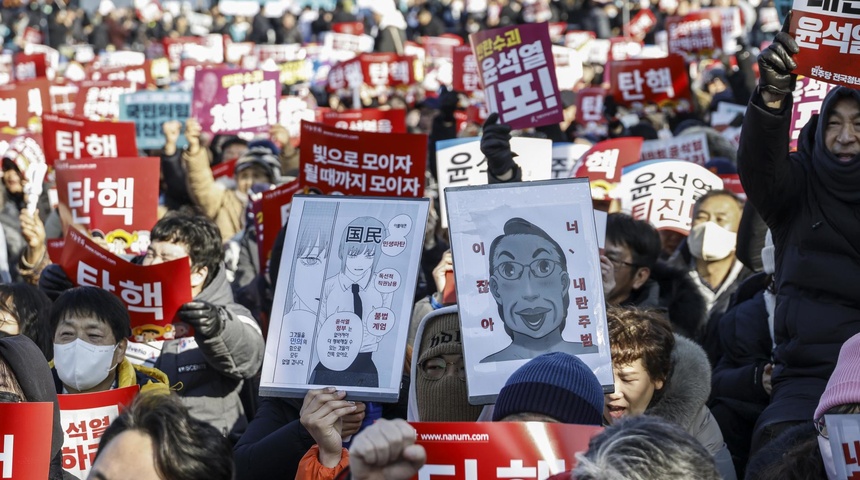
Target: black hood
{"x":839,"y":178}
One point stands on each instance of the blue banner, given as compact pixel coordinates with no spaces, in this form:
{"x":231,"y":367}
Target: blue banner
{"x":149,"y":110}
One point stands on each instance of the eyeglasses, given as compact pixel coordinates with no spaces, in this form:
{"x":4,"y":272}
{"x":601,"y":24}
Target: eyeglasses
{"x":540,"y":268}
{"x":821,"y":426}
{"x":435,"y":368}
{"x":619,"y":263}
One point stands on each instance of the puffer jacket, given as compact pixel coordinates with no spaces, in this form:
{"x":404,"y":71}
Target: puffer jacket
{"x":224,"y":206}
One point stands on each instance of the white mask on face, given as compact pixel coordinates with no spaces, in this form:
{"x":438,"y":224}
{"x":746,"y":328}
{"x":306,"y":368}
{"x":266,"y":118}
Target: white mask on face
{"x":82,"y":365}
{"x":711,"y":242}
{"x":827,"y":457}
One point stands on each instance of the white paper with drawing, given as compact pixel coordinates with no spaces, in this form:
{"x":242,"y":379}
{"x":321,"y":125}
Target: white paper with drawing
{"x":344,"y":296}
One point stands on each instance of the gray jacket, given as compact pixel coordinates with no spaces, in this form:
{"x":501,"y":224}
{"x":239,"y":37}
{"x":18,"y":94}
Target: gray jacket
{"x":210,"y":371}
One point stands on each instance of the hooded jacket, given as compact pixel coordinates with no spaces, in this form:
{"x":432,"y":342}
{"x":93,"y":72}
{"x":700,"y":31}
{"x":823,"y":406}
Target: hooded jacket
{"x":811,"y":202}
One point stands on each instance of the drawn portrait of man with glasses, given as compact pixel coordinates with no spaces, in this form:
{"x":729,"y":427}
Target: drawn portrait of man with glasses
{"x":530,"y":283}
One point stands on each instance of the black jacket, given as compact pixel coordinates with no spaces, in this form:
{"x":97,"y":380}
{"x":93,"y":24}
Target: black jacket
{"x":672,"y":290}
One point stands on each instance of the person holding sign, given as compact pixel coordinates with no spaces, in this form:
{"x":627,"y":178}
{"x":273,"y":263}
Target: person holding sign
{"x":810,"y":200}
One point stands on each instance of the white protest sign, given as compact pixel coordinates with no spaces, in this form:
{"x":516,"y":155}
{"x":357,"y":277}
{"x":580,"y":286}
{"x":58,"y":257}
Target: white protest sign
{"x":692,"y":148}
{"x":565,"y":157}
{"x":843,"y":432}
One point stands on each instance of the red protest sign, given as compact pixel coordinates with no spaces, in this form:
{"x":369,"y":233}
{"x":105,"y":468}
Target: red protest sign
{"x":232,"y":101}
{"x":84,"y":418}
{"x":25,"y":439}
{"x":707,"y":32}
{"x":517,"y":73}
{"x":808,"y":95}
{"x":143,"y":76}
{"x":271,"y":212}
{"x":55,"y":248}
{"x":174,"y":47}
{"x":465,"y":73}
{"x":375,"y":69}
{"x":22,"y":103}
{"x":100,"y":99}
{"x":28,"y":67}
{"x":621,"y":48}
{"x":225,"y":169}
{"x":605,"y":159}
{"x":362,"y":163}
{"x":441,"y":47}
{"x":349,"y":28}
{"x":732,"y":183}
{"x":823,"y":31}
{"x":589,"y":106}
{"x":67,"y":137}
{"x":153,"y":293}
{"x":661,"y":81}
{"x":367,"y":120}
{"x":117,"y":196}
{"x":470,"y":450}
{"x":640,"y":24}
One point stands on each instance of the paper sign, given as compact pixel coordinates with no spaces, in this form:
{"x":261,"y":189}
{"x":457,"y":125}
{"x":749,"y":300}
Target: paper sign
{"x":296,"y":71}
{"x":472,"y":450}
{"x":691,"y":147}
{"x":232,"y":101}
{"x":843,"y":432}
{"x":664,"y":192}
{"x":441,"y":47}
{"x":29,"y":67}
{"x":465,"y":70}
{"x":84,"y":418}
{"x":517,"y":74}
{"x":603,"y":162}
{"x":641,"y":24}
{"x":153,"y":294}
{"x":589,"y":106}
{"x":528,"y":279}
{"x":349,"y":28}
{"x":808,"y":96}
{"x":375,"y":69}
{"x":149,"y":110}
{"x":117,"y":196}
{"x":459,"y":162}
{"x":349,"y":43}
{"x":362,"y":163}
{"x":344,"y":296}
{"x":25,"y":439}
{"x":828,"y":46}
{"x":568,"y":67}
{"x":22,"y":103}
{"x":74,"y":138}
{"x":565,"y":157}
{"x":707,"y":32}
{"x":367,"y":120}
{"x":732,"y":183}
{"x":100,"y":100}
{"x":271,"y":212}
{"x":661,"y":81}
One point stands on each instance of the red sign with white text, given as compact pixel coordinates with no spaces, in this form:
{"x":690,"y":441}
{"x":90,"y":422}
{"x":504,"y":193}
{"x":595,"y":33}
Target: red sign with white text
{"x":808,"y":96}
{"x":25,"y":439}
{"x":271,"y":212}
{"x":153,"y":293}
{"x":466,"y":75}
{"x":349,"y":28}
{"x":589,"y":106}
{"x":605,"y":159}
{"x":829,"y":41}
{"x":367,"y":120}
{"x":100,"y":99}
{"x":143,"y":76}
{"x":707,"y":32}
{"x":661,"y":81}
{"x":441,"y":47}
{"x":641,"y":24}
{"x":375,"y":69}
{"x":28,"y":67}
{"x":22,"y":103}
{"x":72,"y":138}
{"x":362,"y":163}
{"x":473,"y":450}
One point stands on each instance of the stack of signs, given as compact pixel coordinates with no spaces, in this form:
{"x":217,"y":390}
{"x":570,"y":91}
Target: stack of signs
{"x":664,"y":192}
{"x":528,"y":279}
{"x":117,"y":196}
{"x":366,"y":120}
{"x":501,"y":449}
{"x":271,"y":212}
{"x":149,"y":110}
{"x":808,"y":96}
{"x":690,"y":147}
{"x":843,"y":432}
{"x":152,"y":294}
{"x":603,"y":162}
{"x":344,"y":296}
{"x":517,"y":74}
{"x":660,"y":81}
{"x":84,"y":418}
{"x":70,"y":138}
{"x":22,"y":103}
{"x":362,"y":163}
{"x":459,"y":162}
{"x":230,"y":101}
{"x":25,"y":439}
{"x":824,"y":33}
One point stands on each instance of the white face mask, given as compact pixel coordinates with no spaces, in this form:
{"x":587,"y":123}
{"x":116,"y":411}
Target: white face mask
{"x":711,"y":242}
{"x":827,"y":457}
{"x":82,"y":365}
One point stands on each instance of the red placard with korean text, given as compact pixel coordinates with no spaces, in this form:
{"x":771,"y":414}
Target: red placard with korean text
{"x":441,"y":47}
{"x":689,"y":147}
{"x":604,"y":161}
{"x":808,"y":95}
{"x":641,"y":24}
{"x":174,"y":47}
{"x":153,"y":293}
{"x":28,"y":67}
{"x":829,"y":41}
{"x":142,"y":76}
{"x":25,"y":439}
{"x":707,"y":32}
{"x":375,"y":69}
{"x":231,"y":101}
{"x":465,"y":76}
{"x":84,"y":418}
{"x":473,"y":450}
{"x":661,"y":81}
{"x":22,"y":103}
{"x":118,"y":196}
{"x":349,"y":28}
{"x":100,"y":99}
{"x":271,"y":212}
{"x":67,"y":137}
{"x":362,"y":163}
{"x":589,"y":106}
{"x":517,"y":73}
{"x":366,"y":120}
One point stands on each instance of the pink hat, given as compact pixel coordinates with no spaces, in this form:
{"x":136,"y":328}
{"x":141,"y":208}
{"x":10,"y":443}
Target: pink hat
{"x":844,"y":385}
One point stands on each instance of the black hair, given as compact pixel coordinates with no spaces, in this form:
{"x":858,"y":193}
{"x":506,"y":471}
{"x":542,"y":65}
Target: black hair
{"x":30,"y":306}
{"x":719,"y":193}
{"x":184,"y":448}
{"x":639,"y":236}
{"x":92,"y":302}
{"x":198,"y":234}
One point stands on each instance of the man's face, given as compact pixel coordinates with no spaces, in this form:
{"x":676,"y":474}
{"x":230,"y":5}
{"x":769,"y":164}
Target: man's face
{"x":720,"y":209}
{"x":842,"y":133}
{"x":161,"y":251}
{"x":128,"y":456}
{"x":626,"y":279}
{"x":529,"y":284}
{"x":634,"y":389}
{"x":87,"y":328}
{"x":249,"y":176}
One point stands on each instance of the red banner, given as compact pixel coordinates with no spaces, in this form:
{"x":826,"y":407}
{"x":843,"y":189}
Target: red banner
{"x":367,"y":120}
{"x":661,"y":81}
{"x":641,"y":24}
{"x":153,"y":294}
{"x":362,"y":163}
{"x":441,"y":47}
{"x":22,"y":103}
{"x":517,"y":73}
{"x":349,"y":28}
{"x":118,"y":196}
{"x":25,"y":439}
{"x":100,"y":99}
{"x":466,"y":77}
{"x":29,"y":67}
{"x":605,"y":159}
{"x":270,"y":214}
{"x":73,"y":138}
{"x":828,"y":39}
{"x":84,"y":418}
{"x":375,"y":69}
{"x":472,"y":450}
{"x":589,"y":106}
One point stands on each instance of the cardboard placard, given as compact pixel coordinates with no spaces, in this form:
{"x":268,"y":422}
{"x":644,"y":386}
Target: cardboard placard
{"x":843,"y":432}
{"x":660,"y":81}
{"x":66,"y":138}
{"x":231,"y":101}
{"x":149,"y":110}
{"x":466,"y":77}
{"x":99,"y":100}
{"x":366,"y":120}
{"x":823,"y":31}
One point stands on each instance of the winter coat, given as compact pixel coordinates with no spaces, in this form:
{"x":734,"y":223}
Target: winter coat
{"x":811,"y":202}
{"x":219,"y":203}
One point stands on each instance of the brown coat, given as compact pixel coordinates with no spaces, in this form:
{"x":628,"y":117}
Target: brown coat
{"x":222,"y":205}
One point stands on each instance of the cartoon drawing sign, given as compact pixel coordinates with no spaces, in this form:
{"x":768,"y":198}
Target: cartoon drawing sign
{"x":528,"y":279}
{"x":344,"y":296}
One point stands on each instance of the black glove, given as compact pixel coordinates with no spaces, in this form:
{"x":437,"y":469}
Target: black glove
{"x":775,"y":64}
{"x":496,"y":146}
{"x":448,"y":101}
{"x":204,"y":317}
{"x":53,"y":281}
